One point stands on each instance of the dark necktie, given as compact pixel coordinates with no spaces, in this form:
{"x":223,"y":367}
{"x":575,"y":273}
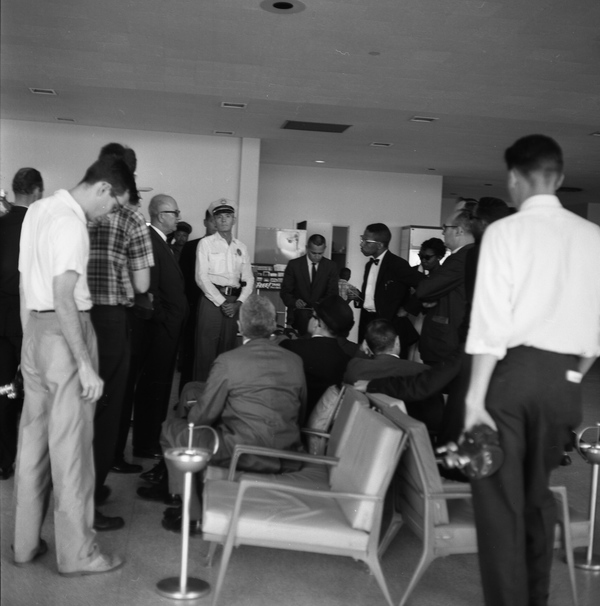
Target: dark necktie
{"x":313,"y":273}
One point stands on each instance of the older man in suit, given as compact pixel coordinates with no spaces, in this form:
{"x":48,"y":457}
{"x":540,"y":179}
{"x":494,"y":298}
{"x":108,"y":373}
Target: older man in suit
{"x":443,"y":291}
{"x":163,"y":331}
{"x":306,"y":281}
{"x":386,"y":285}
{"x":255,"y":394}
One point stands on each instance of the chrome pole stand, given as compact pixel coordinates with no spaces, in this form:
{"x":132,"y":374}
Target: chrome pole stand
{"x":590,"y":451}
{"x":188,"y":460}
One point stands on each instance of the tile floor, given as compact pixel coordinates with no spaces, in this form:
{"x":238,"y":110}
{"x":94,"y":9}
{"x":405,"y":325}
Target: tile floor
{"x":266,"y":577}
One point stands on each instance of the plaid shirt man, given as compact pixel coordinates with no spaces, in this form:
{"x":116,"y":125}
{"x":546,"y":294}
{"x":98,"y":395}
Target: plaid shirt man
{"x":119,"y":243}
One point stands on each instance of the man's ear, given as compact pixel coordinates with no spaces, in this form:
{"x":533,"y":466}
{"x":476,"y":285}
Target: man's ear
{"x":397,"y":345}
{"x":559,"y":181}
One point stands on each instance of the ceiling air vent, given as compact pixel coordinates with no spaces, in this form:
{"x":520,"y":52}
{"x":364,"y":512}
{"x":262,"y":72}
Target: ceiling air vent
{"x":423,"y":119}
{"x":315,"y":127}
{"x":43,"y":91}
{"x":596,"y":134}
{"x":223,"y":132}
{"x":375,"y":144}
{"x":69,"y":120}
{"x":230,"y":105}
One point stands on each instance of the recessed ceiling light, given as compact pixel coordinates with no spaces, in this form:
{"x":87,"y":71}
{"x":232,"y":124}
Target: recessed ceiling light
{"x":282,"y":8}
{"x":43,"y":91}
{"x":374,"y":53}
{"x":423,"y":119}
{"x":65,"y":120}
{"x":232,"y":105}
{"x":596,"y":134}
{"x":431,"y":169}
{"x":223,"y":132}
{"x":320,"y":161}
{"x":377,"y":144}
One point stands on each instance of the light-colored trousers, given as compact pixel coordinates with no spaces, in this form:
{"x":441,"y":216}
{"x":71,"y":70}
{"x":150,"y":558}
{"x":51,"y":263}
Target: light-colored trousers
{"x":55,"y":446}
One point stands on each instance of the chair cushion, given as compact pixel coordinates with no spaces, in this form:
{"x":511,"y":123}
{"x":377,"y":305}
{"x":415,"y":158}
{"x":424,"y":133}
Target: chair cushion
{"x":269,"y":516}
{"x":322,"y":417}
{"x":309,"y":476}
{"x":366,"y":464}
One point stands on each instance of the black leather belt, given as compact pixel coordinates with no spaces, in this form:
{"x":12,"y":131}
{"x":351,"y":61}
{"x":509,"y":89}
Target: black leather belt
{"x":229,"y":290}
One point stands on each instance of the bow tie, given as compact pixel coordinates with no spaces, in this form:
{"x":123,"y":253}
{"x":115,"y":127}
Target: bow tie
{"x":375,"y":261}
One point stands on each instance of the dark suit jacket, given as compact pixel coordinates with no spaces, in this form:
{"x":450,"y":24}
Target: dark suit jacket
{"x":255,"y":394}
{"x":296,"y":283}
{"x":381,"y":365}
{"x":446,"y":286}
{"x":324,"y":365}
{"x":394,"y":280}
{"x":167,"y":287}
{"x":187,"y":263}
{"x":422,"y":393}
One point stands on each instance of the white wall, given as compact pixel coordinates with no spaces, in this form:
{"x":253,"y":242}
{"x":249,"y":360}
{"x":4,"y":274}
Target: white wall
{"x":195,"y":170}
{"x":288,"y":194}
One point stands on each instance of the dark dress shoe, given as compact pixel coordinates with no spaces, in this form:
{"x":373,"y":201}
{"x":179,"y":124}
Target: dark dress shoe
{"x":102,"y":494}
{"x":104,"y":523}
{"x":159,"y":493}
{"x":172,"y":512}
{"x":123,"y":466}
{"x":174,"y":525}
{"x":147,"y":453}
{"x":157,"y":474}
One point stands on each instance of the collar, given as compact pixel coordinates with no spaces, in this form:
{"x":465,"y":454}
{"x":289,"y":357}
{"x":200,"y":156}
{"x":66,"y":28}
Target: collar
{"x":160,"y":233}
{"x":70,"y":201}
{"x":380,"y":257}
{"x":541,"y":201}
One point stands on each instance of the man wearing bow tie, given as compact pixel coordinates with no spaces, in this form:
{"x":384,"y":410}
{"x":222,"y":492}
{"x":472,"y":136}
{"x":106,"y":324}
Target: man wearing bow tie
{"x":386,"y":284}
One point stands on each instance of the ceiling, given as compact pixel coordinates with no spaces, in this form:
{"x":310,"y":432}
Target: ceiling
{"x":489,"y":71}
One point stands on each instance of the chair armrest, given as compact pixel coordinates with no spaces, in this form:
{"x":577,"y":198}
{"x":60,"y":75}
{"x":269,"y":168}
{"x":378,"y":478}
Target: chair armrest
{"x":449,"y":495}
{"x":241,"y":449}
{"x":315,"y":432}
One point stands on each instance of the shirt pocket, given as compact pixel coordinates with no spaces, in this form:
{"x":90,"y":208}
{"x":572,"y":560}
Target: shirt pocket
{"x":218,"y":263}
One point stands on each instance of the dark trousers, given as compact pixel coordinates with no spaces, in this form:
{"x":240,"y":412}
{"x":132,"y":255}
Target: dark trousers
{"x":137,"y":332}
{"x":216,"y":334}
{"x":10,"y":358}
{"x":188,"y":348}
{"x":153,"y":388}
{"x":453,"y":419}
{"x":535,"y":408}
{"x":112,"y":332}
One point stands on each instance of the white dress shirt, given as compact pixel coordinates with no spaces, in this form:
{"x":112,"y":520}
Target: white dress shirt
{"x":538,"y":283}
{"x":369,"y":303}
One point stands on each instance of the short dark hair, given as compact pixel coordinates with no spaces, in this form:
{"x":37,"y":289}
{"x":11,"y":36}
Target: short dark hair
{"x":380,"y":336}
{"x":115,"y":172}
{"x":317,"y":240}
{"x":26,"y":180}
{"x":122,"y":152}
{"x":257,"y":317}
{"x":436,"y":245}
{"x":381,"y":232}
{"x":345,"y":273}
{"x":535,"y":154}
{"x":491,"y":209}
{"x":336,"y":314}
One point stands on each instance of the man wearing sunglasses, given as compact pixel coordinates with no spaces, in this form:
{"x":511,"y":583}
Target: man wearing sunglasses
{"x":386,"y":285}
{"x":162,"y":331}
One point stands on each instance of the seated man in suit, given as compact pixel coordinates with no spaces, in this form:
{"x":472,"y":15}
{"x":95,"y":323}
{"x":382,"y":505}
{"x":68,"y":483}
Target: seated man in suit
{"x":255,"y":394}
{"x":306,"y":281}
{"x":384,"y":343}
{"x":324,"y":359}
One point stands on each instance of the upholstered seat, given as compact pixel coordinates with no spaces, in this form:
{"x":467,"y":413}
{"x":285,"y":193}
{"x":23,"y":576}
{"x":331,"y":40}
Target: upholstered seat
{"x":340,"y":518}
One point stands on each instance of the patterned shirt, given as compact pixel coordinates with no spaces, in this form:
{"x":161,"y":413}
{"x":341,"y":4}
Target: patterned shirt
{"x":119,"y":244}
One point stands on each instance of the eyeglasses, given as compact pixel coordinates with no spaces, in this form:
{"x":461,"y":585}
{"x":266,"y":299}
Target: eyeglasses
{"x":426,"y":257}
{"x":172,"y":212}
{"x":363,"y":241}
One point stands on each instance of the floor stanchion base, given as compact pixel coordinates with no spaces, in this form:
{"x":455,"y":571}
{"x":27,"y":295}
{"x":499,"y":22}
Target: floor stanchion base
{"x":581,"y":560}
{"x":171,"y":588}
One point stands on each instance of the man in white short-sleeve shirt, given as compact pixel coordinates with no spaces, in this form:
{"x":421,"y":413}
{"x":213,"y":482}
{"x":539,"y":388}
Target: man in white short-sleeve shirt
{"x":59,"y":365}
